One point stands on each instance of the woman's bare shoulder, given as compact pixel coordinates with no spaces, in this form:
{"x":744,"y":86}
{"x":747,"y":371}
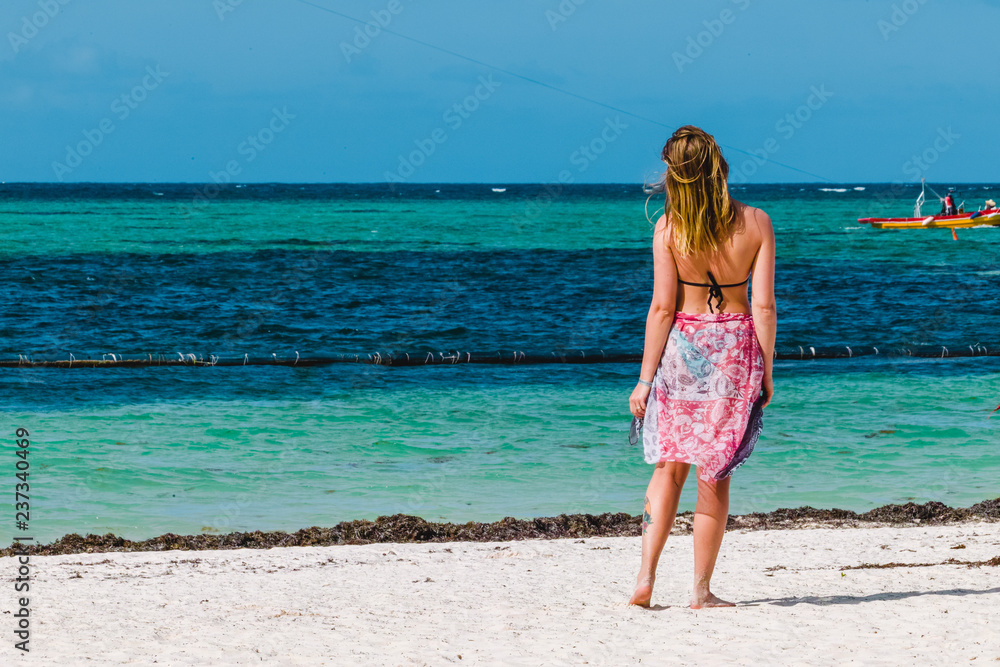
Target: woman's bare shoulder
{"x":661,"y":226}
{"x":755,"y":217}
{"x":662,"y":238}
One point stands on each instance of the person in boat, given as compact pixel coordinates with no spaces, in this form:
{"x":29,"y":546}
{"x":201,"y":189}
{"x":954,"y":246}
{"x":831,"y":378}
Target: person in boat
{"x":948,"y":204}
{"x":989,"y":204}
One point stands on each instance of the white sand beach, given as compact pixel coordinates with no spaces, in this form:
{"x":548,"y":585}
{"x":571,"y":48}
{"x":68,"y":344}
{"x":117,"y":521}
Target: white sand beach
{"x":559,"y":602}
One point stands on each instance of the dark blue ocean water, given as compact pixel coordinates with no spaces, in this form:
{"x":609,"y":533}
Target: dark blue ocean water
{"x":249,"y":275}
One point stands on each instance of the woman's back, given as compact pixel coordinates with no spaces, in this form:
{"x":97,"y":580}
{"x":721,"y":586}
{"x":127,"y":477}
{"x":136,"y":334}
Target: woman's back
{"x":729,"y":266}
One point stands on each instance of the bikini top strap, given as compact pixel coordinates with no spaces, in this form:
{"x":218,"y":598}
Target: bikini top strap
{"x":714,"y":289}
{"x":713,"y":283}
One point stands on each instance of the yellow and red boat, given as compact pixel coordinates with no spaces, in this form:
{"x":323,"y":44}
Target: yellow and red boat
{"x":987,"y":217}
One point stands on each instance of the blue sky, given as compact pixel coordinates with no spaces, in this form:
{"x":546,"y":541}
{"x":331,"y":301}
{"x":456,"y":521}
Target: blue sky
{"x":281,"y":90}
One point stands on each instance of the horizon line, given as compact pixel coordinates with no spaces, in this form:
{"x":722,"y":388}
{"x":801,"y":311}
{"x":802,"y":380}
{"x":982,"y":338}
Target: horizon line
{"x":483,"y":183}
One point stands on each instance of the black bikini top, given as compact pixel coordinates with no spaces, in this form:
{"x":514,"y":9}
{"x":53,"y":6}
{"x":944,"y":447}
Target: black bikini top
{"x":714,"y":289}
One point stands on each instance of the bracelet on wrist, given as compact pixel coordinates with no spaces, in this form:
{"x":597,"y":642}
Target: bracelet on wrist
{"x":645,"y":384}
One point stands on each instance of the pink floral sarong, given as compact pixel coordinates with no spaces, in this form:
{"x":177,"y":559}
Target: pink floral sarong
{"x":704,"y":406}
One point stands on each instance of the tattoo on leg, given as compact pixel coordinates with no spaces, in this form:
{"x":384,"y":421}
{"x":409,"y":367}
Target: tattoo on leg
{"x":647,"y":517}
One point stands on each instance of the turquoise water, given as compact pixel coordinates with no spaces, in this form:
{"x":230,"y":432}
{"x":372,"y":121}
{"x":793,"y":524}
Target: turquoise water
{"x":519,"y":442}
{"x":140,"y":452}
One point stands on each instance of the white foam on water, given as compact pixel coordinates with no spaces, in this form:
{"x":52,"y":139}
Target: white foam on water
{"x":833,"y":189}
{"x":859,"y":189}
{"x":499,"y":189}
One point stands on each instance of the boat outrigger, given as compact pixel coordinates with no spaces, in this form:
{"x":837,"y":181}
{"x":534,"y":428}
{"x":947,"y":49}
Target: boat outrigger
{"x":986,"y":217}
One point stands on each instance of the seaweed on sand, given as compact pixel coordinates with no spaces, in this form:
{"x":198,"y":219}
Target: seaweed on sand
{"x":405,"y":528}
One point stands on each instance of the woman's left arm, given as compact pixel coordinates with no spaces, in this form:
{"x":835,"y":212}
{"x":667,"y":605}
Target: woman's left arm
{"x":659,"y":319}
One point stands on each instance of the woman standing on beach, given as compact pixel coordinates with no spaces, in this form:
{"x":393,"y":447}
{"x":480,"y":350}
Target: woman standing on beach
{"x":706,"y":365}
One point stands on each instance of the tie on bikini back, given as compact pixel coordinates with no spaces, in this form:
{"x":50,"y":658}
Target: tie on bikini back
{"x":714,"y":289}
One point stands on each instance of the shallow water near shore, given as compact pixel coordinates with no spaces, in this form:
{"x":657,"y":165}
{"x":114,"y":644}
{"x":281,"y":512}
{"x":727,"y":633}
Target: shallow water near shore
{"x":141,"y":452}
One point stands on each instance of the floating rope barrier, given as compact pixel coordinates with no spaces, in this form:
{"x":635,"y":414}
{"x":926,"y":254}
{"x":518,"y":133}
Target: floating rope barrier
{"x":508,"y":358}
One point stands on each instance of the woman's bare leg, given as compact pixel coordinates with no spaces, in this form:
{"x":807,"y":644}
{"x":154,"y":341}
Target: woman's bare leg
{"x":710,"y":516}
{"x":662,"y":496}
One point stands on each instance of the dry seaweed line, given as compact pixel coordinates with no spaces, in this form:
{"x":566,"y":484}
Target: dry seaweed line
{"x":993,"y":562}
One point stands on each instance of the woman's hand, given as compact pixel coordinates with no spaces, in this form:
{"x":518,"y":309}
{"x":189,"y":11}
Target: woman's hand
{"x":637,"y":401}
{"x":767,"y":387}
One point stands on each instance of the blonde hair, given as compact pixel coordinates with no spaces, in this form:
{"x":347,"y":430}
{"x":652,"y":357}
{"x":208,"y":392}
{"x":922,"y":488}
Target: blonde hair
{"x":698,"y":203}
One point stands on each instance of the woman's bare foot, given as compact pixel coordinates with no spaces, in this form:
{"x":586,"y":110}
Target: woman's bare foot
{"x":643,"y":593}
{"x":706,"y":599}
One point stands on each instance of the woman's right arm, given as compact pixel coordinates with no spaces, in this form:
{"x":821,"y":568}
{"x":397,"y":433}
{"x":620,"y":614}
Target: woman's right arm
{"x":765,"y":315}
